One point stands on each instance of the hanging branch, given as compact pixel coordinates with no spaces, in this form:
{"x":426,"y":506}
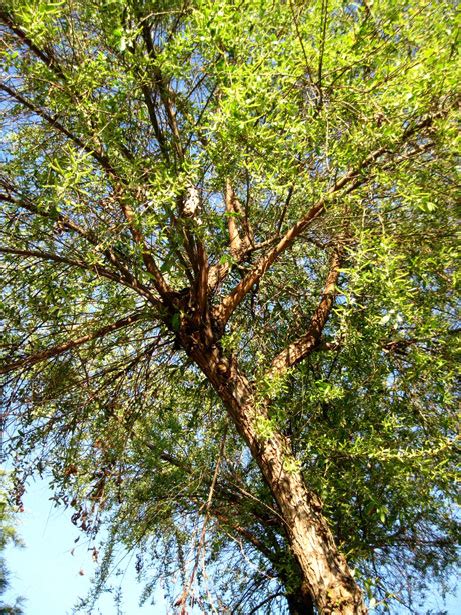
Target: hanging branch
{"x":186,"y":591}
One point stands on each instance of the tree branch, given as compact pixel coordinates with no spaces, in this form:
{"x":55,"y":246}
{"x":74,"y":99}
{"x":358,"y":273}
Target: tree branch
{"x":232,"y":301}
{"x":164,"y":290}
{"x":235,"y":242}
{"x":102,"y":271}
{"x":52,"y":63}
{"x":226,"y":520}
{"x":127,"y":278}
{"x":161,"y":286}
{"x":44,"y":57}
{"x":304,"y":345}
{"x":193,"y":245}
{"x":201,"y":286}
{"x":163,"y":91}
{"x":54,"y":351}
{"x":53,"y":121}
{"x":350,"y":181}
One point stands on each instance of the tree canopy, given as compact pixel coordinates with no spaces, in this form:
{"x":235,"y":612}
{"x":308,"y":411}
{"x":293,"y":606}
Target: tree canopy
{"x":229,"y":279}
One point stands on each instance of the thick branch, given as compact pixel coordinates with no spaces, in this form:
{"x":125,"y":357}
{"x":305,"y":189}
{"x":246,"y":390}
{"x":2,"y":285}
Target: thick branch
{"x":220,"y":271}
{"x":234,"y":211}
{"x":235,"y":243}
{"x":350,"y":181}
{"x":201,"y":288}
{"x":232,"y":301}
{"x":300,"y":348}
{"x":189,"y":206}
{"x":54,"y":351}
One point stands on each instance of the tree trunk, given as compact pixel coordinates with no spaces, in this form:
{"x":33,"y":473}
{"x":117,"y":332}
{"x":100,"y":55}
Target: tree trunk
{"x":325,"y":573}
{"x":300,"y":602}
{"x":324,"y":569}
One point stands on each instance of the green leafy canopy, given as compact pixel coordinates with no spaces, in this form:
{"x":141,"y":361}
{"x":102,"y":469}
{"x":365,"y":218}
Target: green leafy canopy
{"x":278,"y":178}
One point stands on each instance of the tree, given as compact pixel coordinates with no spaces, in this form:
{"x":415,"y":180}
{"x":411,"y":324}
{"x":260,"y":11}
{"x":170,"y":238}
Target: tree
{"x":229,"y":268}
{"x":7,"y":534}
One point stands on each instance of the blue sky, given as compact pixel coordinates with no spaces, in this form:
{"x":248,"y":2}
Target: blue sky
{"x":49,"y":575}
{"x":52,"y":571}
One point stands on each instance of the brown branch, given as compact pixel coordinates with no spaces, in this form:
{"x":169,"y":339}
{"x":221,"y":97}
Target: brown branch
{"x":155,"y":123}
{"x":350,"y":181}
{"x":235,"y":243}
{"x":159,"y":282}
{"x":163,"y":91}
{"x":285,"y":208}
{"x":229,"y":496}
{"x":54,"y":351}
{"x":267,"y":600}
{"x":398,"y":346}
{"x":52,"y":63}
{"x":201,"y":289}
{"x":53,"y":121}
{"x":304,"y":345}
{"x":217,"y":274}
{"x":163,"y":289}
{"x":301,"y":42}
{"x":232,"y":301}
{"x":188,"y":207}
{"x":66,"y":223}
{"x":323,"y":26}
{"x":182,"y":601}
{"x":26,"y":203}
{"x":248,"y":239}
{"x":198,"y":274}
{"x":195,"y":250}
{"x":234,"y":211}
{"x":244,"y":532}
{"x":44,"y":57}
{"x":102,"y":271}
{"x":193,"y":246}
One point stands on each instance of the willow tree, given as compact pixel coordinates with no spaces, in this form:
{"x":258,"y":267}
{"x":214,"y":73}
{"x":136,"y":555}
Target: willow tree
{"x":229,"y":288}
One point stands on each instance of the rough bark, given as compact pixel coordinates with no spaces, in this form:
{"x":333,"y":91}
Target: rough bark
{"x":326,"y":575}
